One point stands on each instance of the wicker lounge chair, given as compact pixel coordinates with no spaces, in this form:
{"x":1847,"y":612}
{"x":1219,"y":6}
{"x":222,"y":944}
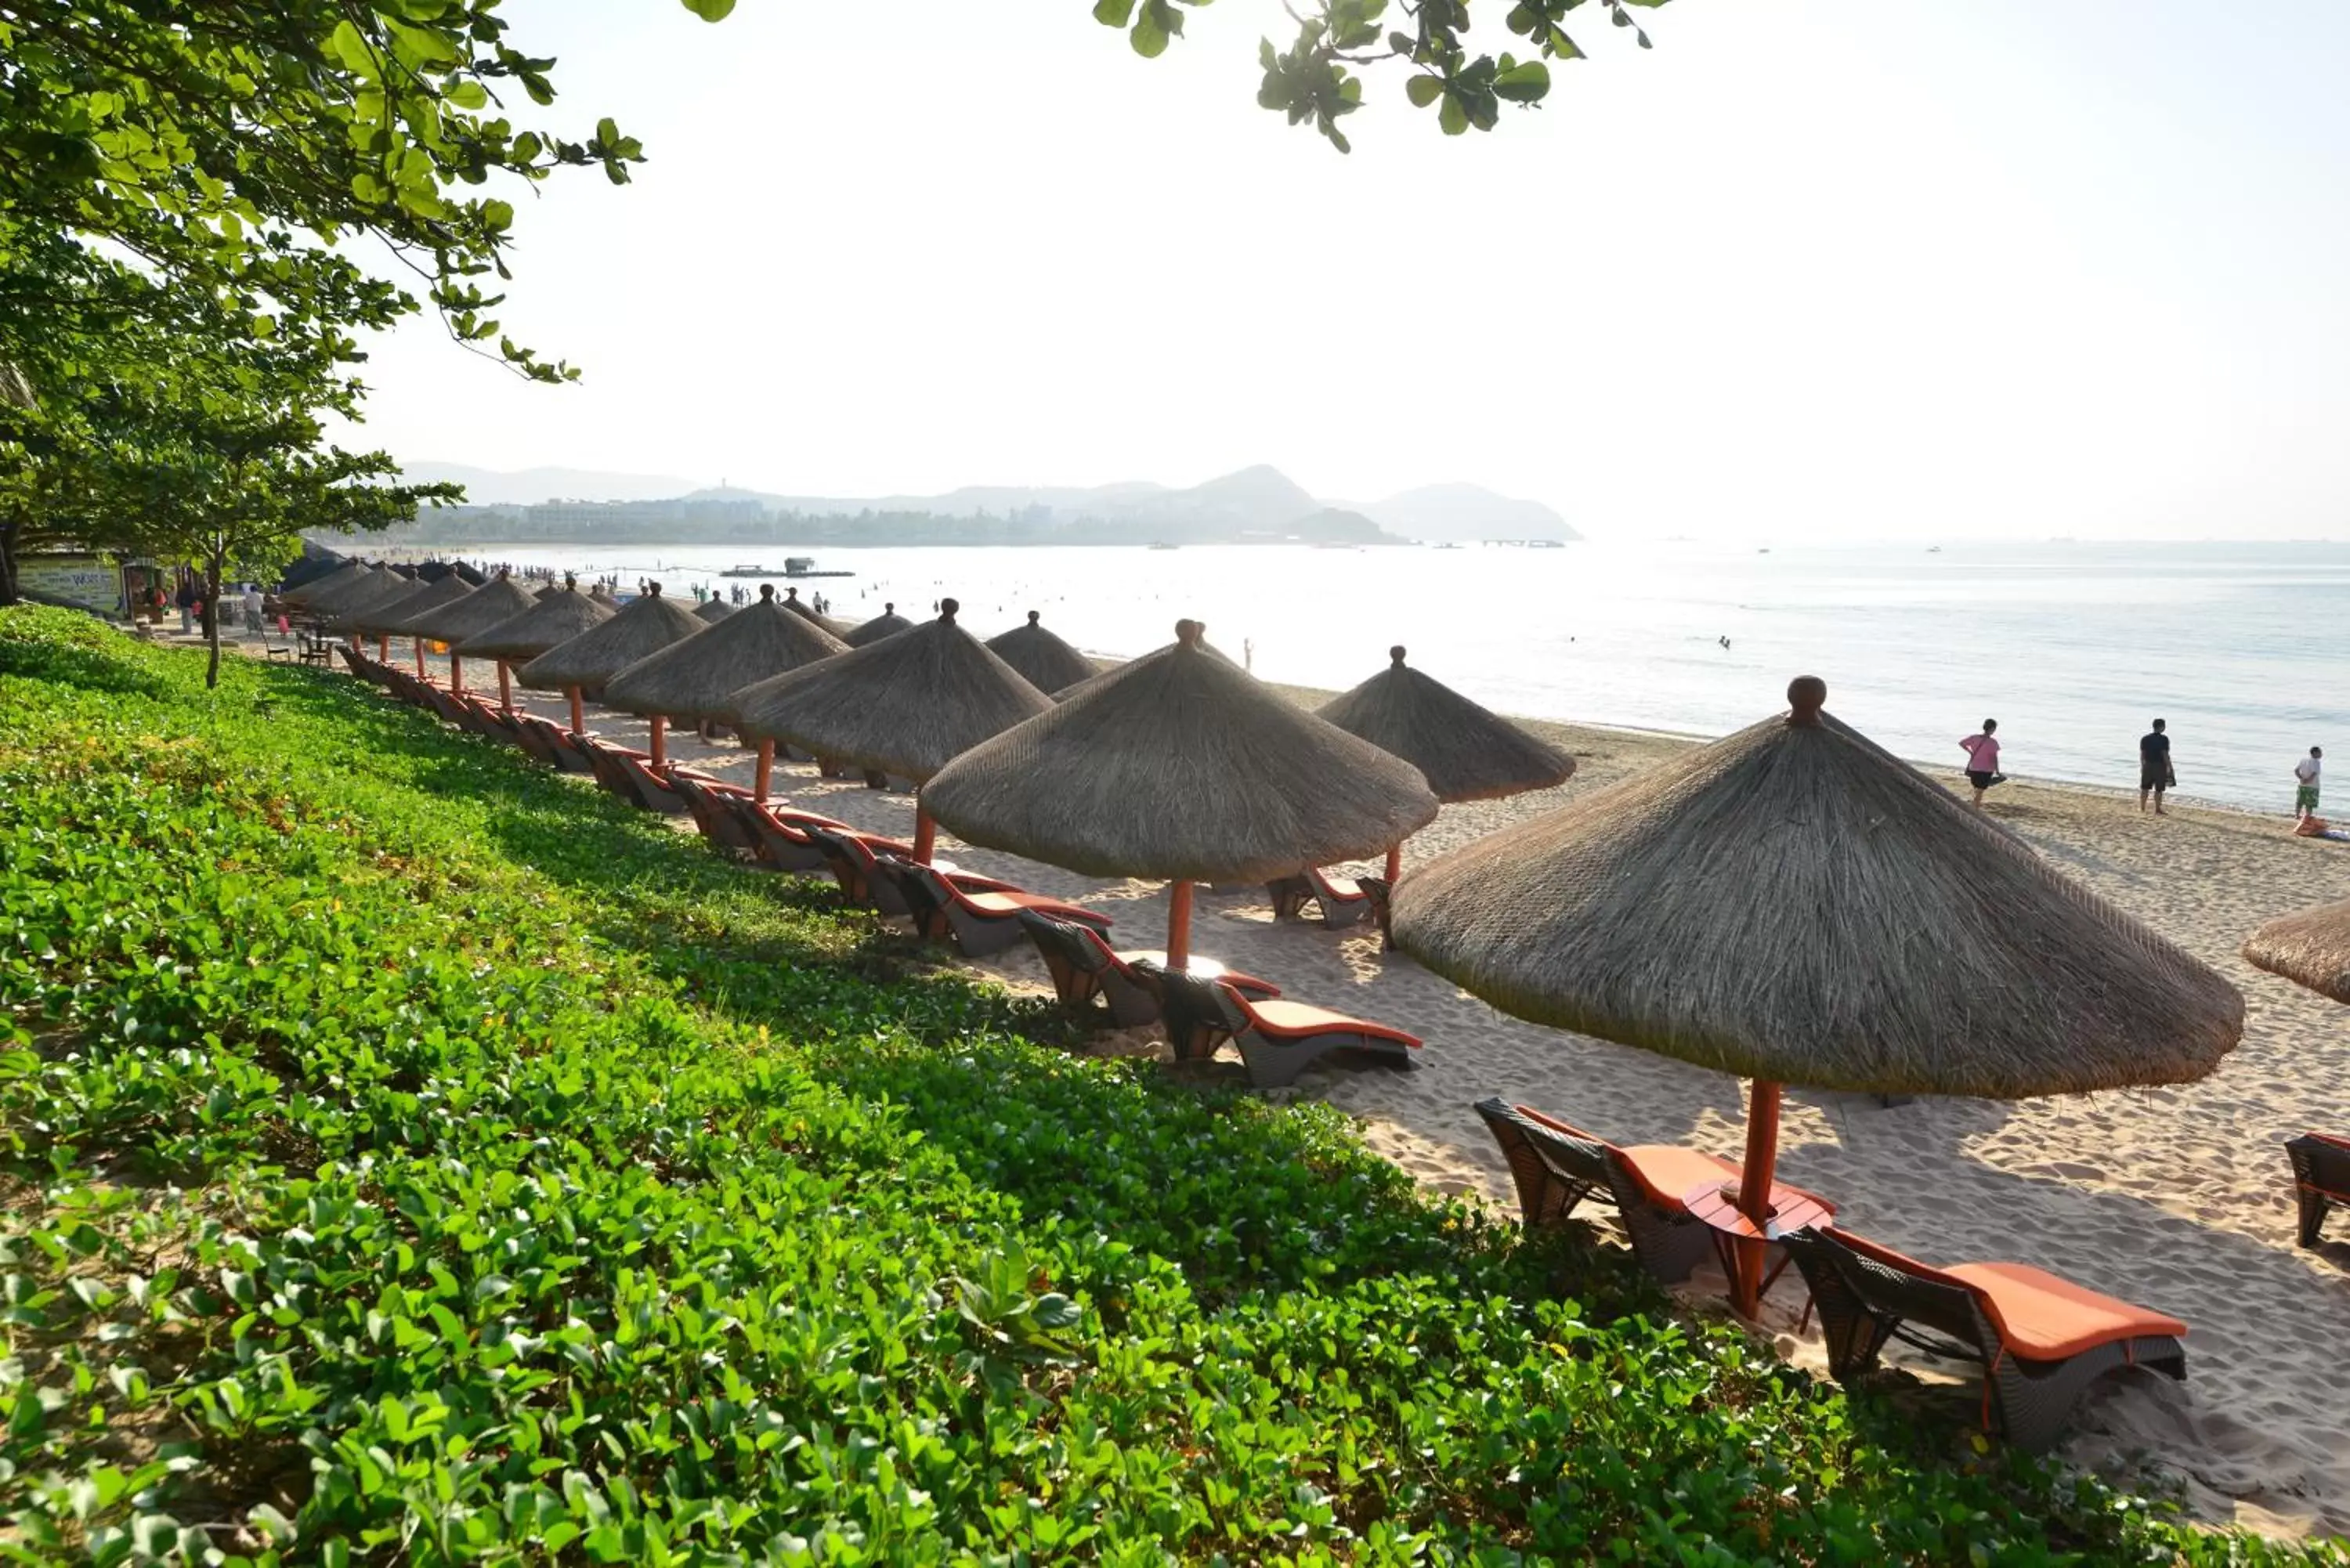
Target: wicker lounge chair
{"x":980,"y":920}
{"x":1084,"y":966}
{"x":628,"y":773}
{"x":719,"y":822}
{"x":1556,"y":1166}
{"x":549,"y":742}
{"x":1341,"y":899}
{"x":1277,"y":1039}
{"x":1376,"y":890}
{"x":2321,"y":1179}
{"x":851,"y":857}
{"x":2040,"y":1340}
{"x":781,"y":832}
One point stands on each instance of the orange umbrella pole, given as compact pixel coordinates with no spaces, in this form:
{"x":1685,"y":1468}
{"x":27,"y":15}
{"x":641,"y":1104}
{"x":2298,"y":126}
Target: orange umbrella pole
{"x":926,"y":835}
{"x":382,"y":649}
{"x":766,"y":766}
{"x":659,"y":747}
{"x":1755,"y":1186}
{"x":506,"y":688}
{"x":456,"y":673}
{"x":1179,"y":926}
{"x":578,"y":713}
{"x":1395,"y":864}
{"x":416,"y":647}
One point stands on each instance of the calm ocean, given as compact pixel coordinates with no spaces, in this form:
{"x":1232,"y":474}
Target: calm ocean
{"x":2072,"y":647}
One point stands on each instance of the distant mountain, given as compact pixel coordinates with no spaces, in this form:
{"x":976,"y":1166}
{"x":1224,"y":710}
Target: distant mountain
{"x":1260,"y":501}
{"x":1465,"y":513}
{"x":529,"y":486}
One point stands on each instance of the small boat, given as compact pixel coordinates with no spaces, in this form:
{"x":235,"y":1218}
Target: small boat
{"x":1163,"y":545}
{"x":794,"y":567}
{"x":1933,"y":549}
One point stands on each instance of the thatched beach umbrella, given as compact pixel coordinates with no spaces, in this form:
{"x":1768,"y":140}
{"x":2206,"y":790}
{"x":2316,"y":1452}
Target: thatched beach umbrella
{"x":2310,"y":948}
{"x":372,"y":584}
{"x":334,"y":582}
{"x":1181,"y":766}
{"x":367,"y":616}
{"x":792,"y":602}
{"x":907,"y":704}
{"x":1794,"y":905}
{"x":645,"y":626}
{"x":1049,"y":663}
{"x":888,"y":623}
{"x":552,"y":621}
{"x":436,"y":595}
{"x":1465,"y":750}
{"x":714,"y":608}
{"x":700,"y":677}
{"x":545,"y":591}
{"x":452,"y":623}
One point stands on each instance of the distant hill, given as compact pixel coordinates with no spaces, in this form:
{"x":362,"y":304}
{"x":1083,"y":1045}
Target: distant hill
{"x":1255,"y":502}
{"x":529,"y":486}
{"x":1463,"y":513}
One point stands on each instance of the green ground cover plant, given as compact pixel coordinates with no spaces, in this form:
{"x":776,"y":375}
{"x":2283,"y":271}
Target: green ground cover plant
{"x":411,"y":1156}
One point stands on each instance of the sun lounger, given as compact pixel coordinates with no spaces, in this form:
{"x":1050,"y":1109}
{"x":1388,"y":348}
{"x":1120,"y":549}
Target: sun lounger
{"x":1277,"y":1039}
{"x":609,"y":762}
{"x":980,"y":920}
{"x":2040,"y":1340}
{"x":1084,"y":966}
{"x":1556,"y":1166}
{"x":653,"y":792}
{"x":851,"y":857}
{"x":2321,"y":1179}
{"x":1376,"y":890}
{"x":781,"y":832}
{"x":704,"y":797}
{"x":550,"y":743}
{"x":1341,"y":899}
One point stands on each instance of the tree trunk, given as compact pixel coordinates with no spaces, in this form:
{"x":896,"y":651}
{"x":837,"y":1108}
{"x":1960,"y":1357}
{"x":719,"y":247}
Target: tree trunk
{"x":212,"y":618}
{"x":8,"y":562}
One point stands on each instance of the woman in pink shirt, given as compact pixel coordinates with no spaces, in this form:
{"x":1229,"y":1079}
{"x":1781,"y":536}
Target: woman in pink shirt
{"x":1982,"y":758}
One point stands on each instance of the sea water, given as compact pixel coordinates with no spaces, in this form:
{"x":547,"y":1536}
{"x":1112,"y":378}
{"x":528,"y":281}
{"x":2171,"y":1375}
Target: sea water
{"x":2072,"y":647}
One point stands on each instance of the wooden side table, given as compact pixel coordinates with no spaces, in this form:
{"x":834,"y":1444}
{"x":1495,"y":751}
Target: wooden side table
{"x":1739,"y":1241}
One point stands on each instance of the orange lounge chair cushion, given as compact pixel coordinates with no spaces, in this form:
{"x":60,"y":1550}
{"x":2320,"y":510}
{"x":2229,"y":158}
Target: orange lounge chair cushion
{"x":1344,"y":888}
{"x":1008,"y":904}
{"x":2041,"y":1317}
{"x":1297,"y":1019}
{"x":1667,"y":1172}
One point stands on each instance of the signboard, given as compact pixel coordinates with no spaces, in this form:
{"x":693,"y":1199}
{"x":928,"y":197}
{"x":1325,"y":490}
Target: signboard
{"x":88,"y":581}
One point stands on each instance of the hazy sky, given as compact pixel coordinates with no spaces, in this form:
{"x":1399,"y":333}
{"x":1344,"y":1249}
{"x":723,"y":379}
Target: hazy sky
{"x":1893,"y":269}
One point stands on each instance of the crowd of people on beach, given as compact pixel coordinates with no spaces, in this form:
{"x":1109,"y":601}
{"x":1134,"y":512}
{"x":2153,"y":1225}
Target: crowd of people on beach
{"x":2156,"y":776}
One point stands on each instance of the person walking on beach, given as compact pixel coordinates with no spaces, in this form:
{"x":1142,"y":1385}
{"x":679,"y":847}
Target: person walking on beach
{"x":186,"y":599}
{"x":2305,"y":773}
{"x":1982,"y":760}
{"x":2153,"y":775}
{"x":253,"y":609}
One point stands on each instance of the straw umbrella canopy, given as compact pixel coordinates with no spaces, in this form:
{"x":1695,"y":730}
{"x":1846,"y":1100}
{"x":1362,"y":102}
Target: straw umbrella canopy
{"x":2310,"y":948}
{"x":487,"y":605}
{"x":714,"y":609}
{"x":1465,"y":750}
{"x":1049,"y":663}
{"x":555,"y":619}
{"x":1794,"y":904}
{"x":907,"y":704}
{"x":1180,"y":764}
{"x":438,"y":594}
{"x":369,"y":586}
{"x":839,"y":629}
{"x":888,"y":623}
{"x":547,"y":591}
{"x":360,"y":612}
{"x":699,"y":678}
{"x":581,"y":666}
{"x":333,"y":582}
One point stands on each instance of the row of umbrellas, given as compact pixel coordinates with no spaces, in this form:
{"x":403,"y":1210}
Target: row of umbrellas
{"x":1792,"y":904}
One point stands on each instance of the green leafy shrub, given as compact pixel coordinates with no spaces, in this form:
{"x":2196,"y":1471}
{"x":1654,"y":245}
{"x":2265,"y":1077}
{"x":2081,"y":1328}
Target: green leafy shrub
{"x":411,"y":1156}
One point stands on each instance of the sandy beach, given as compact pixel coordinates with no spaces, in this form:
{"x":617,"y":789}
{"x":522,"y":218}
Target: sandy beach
{"x":2177,"y":1199}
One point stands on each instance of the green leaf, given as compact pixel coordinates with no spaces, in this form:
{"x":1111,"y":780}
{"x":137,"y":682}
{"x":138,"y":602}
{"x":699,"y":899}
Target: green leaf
{"x":1423,"y":90}
{"x":1453,"y":117}
{"x":1116,"y":12}
{"x":1150,"y":34}
{"x":1522,"y":83}
{"x":711,"y":10}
